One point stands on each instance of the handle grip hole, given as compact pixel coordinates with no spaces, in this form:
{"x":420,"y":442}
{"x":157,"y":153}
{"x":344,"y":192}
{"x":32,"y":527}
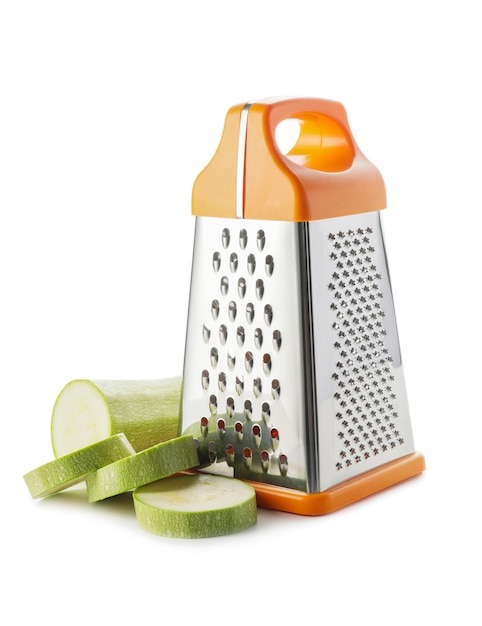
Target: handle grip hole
{"x":315,"y":141}
{"x":287,"y":134}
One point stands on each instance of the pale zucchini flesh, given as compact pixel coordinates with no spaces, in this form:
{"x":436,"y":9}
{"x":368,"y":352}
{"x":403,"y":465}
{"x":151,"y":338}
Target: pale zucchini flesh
{"x":195,"y":506}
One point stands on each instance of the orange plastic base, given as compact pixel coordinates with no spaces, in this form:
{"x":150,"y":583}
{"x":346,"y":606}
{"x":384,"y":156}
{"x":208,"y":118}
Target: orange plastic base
{"x":301,"y":503}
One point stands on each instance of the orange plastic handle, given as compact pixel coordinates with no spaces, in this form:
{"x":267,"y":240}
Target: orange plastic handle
{"x":324,"y":175}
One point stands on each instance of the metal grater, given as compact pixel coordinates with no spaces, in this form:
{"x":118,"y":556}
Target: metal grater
{"x":293,"y":376}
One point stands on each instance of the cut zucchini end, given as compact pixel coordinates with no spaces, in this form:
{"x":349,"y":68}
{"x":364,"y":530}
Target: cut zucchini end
{"x":80,"y":417}
{"x":195,"y":506}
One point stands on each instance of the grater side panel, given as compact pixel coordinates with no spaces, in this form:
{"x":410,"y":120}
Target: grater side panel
{"x":363,"y":414}
{"x":243,"y":381}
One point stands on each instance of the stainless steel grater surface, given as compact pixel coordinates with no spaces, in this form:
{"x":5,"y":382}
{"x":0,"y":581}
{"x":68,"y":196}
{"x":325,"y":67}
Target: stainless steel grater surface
{"x":293,"y":375}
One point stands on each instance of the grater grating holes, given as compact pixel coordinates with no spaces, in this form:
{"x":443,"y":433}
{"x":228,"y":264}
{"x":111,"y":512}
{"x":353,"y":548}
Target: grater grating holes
{"x":241,"y":287}
{"x":259,"y":289}
{"x":205,"y":380}
{"x":224,"y":285}
{"x":222,"y":381}
{"x":225,"y":341}
{"x":268,"y":314}
{"x":223,"y":334}
{"x":215,"y":309}
{"x":214,"y":357}
{"x":362,"y":375}
{"x":266,"y":412}
{"x":239,"y":385}
{"x":233,"y":262}
{"x":243,"y":238}
{"x":260,"y":240}
{"x":216,"y":261}
{"x":276,"y":340}
{"x":269,"y":265}
{"x":250,"y":312}
{"x":240,"y":336}
{"x":248,"y":361}
{"x":225,"y":238}
{"x":231,"y":359}
{"x":230,"y":407}
{"x":251,"y":264}
{"x":232,"y":311}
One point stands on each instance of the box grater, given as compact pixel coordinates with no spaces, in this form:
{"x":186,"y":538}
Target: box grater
{"x":292,"y":376}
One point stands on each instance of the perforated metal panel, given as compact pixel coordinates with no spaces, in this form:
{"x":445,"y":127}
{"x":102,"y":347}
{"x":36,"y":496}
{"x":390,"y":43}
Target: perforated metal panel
{"x":292,"y":370}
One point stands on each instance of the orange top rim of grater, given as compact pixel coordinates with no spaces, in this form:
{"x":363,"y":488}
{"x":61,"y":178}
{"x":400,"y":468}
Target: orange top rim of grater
{"x":324,"y":175}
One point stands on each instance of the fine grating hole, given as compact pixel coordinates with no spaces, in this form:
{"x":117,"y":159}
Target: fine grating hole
{"x":256,"y":433}
{"x":257,"y":387}
{"x":221,"y":424}
{"x":264,"y":458}
{"x":231,"y":360}
{"x":222,"y":381}
{"x":259,"y":289}
{"x":267,"y":363}
{"x":223,"y":334}
{"x":224,"y":285}
{"x":268,"y":314}
{"x":240,"y":336}
{"x":250,"y":312}
{"x":275,"y":389}
{"x":204,"y":424}
{"x":258,"y":338}
{"x":247,"y":457}
{"x":230,"y":407}
{"x":283,"y":464}
{"x":276,"y":340}
{"x":238,"y":429}
{"x":212,"y":450}
{"x":216,"y":261}
{"x":213,"y":404}
{"x":248,"y":409}
{"x":251,"y":264}
{"x":243,"y":238}
{"x":260,"y":239}
{"x":229,"y":451}
{"x":239,"y":385}
{"x":248,"y":361}
{"x":215,"y":309}
{"x":232,"y":311}
{"x":214,"y":357}
{"x":241,"y":287}
{"x":225,"y":238}
{"x":269,"y":265}
{"x":233,"y":262}
{"x":266,"y":412}
{"x":205,"y":379}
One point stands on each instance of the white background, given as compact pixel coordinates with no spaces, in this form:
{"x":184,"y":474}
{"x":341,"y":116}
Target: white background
{"x":108,"y":111}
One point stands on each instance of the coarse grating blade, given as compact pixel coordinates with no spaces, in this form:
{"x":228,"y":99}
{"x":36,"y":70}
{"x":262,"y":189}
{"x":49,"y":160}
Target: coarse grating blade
{"x":293,"y":377}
